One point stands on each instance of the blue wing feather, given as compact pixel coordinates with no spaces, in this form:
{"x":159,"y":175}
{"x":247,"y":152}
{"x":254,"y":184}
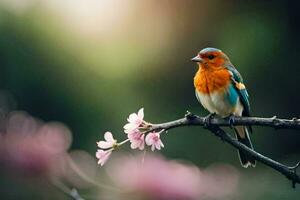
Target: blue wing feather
{"x":232,"y":95}
{"x":243,"y":94}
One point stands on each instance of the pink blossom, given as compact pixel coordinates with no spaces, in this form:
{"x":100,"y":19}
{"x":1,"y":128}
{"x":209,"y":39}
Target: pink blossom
{"x":160,"y":179}
{"x":32,"y":147}
{"x":153,"y":140}
{"x":135,"y":120}
{"x":103,"y":156}
{"x":109,"y":141}
{"x":136,"y":139}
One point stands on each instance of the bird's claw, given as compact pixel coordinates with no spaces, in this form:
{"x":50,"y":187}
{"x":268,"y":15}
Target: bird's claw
{"x":190,"y":115}
{"x":231,"y":120}
{"x":207,"y":120}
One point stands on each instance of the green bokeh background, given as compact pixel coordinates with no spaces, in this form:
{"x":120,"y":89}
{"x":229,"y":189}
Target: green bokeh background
{"x":89,"y":66}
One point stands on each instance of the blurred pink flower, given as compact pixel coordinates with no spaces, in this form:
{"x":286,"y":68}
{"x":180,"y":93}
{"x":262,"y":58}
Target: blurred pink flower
{"x":29,"y":146}
{"x":103,"y":156}
{"x":109,"y":141}
{"x":153,"y":140}
{"x":135,"y":120}
{"x":136,"y":139}
{"x":153,"y":177}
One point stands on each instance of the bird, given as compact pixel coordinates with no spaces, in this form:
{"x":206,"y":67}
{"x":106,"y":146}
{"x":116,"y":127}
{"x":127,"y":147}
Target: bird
{"x":220,"y":89}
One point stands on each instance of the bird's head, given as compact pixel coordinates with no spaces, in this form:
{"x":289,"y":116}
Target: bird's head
{"x":211,"y":58}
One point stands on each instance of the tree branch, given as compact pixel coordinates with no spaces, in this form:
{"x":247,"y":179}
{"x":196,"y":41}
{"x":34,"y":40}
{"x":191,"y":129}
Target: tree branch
{"x":194,"y":120}
{"x":289,"y":172}
{"x":214,"y":127}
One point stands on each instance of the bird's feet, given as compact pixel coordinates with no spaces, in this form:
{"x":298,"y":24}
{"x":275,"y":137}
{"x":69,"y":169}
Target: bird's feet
{"x":189,"y":115}
{"x":207,"y":120}
{"x":231,"y":120}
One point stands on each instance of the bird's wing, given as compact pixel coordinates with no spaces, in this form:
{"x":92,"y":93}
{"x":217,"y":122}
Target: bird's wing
{"x":238,"y":84}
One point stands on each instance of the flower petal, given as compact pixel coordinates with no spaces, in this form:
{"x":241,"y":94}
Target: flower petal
{"x":149,"y":139}
{"x":141,"y":114}
{"x":133,"y":145}
{"x":104,"y":144}
{"x":130,"y":127}
{"x":109,"y":137}
{"x":142,"y":146}
{"x":157,"y":145}
{"x":103,"y":156}
{"x":153,"y":147}
{"x":132,"y":118}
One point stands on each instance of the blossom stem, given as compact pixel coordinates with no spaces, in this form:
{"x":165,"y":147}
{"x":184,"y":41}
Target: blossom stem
{"x":123,"y":142}
{"x":73,"y":166}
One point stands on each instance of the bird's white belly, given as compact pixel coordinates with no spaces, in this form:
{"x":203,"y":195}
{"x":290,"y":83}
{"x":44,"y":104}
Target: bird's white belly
{"x":218,"y":103}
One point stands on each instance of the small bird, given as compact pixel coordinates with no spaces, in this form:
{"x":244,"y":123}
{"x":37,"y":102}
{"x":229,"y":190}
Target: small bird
{"x":220,"y":89}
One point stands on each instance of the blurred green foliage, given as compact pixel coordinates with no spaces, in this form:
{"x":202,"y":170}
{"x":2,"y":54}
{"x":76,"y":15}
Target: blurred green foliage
{"x":89,"y":68}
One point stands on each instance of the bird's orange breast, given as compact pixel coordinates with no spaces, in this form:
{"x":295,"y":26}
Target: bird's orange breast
{"x":210,"y":80}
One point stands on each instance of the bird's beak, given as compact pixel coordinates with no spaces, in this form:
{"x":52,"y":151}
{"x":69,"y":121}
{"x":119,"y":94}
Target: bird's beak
{"x":197,"y":59}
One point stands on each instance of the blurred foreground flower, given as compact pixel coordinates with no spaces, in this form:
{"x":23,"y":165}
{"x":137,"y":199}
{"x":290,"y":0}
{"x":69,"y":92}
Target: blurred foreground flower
{"x":153,"y":177}
{"x":29,"y":146}
{"x":37,"y":154}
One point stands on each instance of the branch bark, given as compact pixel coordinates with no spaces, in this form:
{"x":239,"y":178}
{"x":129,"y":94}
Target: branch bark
{"x":194,"y":120}
{"x":215,"y":124}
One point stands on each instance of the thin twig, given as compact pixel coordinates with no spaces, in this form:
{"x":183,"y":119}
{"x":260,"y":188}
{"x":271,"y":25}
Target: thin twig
{"x":72,"y":193}
{"x":87,"y":178}
{"x":214,"y":127}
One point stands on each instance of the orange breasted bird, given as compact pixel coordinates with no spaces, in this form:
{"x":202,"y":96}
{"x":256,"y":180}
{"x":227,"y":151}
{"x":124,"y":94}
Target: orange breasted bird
{"x":220,"y":89}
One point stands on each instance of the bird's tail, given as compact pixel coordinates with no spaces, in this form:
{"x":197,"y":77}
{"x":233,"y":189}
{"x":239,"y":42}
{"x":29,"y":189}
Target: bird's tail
{"x":242,"y":135}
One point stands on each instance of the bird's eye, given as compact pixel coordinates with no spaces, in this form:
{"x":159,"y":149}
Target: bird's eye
{"x":211,"y":57}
